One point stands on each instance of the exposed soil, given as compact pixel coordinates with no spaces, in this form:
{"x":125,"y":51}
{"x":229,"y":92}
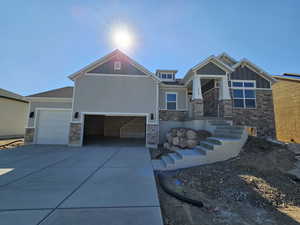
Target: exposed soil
{"x":250,"y":189}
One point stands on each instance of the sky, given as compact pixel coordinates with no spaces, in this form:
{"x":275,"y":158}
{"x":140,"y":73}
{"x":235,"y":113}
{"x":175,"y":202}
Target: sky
{"x":42,"y":42}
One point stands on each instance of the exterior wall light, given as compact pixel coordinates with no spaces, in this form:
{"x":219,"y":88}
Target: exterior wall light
{"x":76,"y":115}
{"x":31,"y":114}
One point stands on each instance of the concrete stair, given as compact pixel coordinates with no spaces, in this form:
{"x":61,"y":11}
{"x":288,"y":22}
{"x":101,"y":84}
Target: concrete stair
{"x":225,"y":143}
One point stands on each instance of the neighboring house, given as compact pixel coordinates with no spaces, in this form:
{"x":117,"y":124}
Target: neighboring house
{"x":13,"y":114}
{"x":287,"y":107}
{"x":117,"y":97}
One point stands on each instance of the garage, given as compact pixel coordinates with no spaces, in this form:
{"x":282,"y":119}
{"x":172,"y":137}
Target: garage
{"x":101,"y":128}
{"x":52,"y":126}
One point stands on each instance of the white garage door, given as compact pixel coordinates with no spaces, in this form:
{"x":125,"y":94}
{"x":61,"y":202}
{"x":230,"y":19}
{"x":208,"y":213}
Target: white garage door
{"x":53,"y":126}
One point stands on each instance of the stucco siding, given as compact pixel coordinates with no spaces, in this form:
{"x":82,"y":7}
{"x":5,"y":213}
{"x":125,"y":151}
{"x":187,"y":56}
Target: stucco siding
{"x":34,"y":105}
{"x":12,"y":117}
{"x":181,"y":97}
{"x":115,"y":94}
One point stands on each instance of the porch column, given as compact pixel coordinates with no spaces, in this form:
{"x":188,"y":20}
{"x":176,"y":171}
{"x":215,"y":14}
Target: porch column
{"x":197,"y":99}
{"x":225,"y":103}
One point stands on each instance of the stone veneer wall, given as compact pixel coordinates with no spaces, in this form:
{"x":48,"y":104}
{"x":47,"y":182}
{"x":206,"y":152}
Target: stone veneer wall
{"x":197,"y":107}
{"x":210,"y":102}
{"x":29,"y":135}
{"x":75,"y":134}
{"x":152,"y":134}
{"x":172,"y":115}
{"x":225,"y":108}
{"x":262,"y":117}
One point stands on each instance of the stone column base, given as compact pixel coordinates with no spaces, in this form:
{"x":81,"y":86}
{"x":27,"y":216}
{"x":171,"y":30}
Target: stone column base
{"x":225,"y":108}
{"x":152,"y":135}
{"x":197,"y":107}
{"x":75,"y":134}
{"x":29,"y":135}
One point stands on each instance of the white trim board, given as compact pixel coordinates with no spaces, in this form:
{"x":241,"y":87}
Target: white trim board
{"x":48,"y":99}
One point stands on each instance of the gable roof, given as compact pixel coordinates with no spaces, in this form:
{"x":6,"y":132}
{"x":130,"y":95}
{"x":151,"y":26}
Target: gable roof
{"x":107,"y":57}
{"x":255,"y":68}
{"x":65,"y":92}
{"x":288,"y":76}
{"x":214,"y":60}
{"x":11,"y":95}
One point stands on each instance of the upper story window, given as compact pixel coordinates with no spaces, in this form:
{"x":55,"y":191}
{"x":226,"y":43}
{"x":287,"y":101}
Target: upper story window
{"x":244,"y":94}
{"x":169,"y":76}
{"x":117,"y":65}
{"x":171,"y":100}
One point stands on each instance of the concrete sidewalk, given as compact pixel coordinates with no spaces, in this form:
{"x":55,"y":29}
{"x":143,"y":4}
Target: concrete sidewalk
{"x":57,"y":185}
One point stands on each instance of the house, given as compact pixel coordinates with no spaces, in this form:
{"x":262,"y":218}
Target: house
{"x":13,"y":114}
{"x":287,"y":107}
{"x":117,"y":97}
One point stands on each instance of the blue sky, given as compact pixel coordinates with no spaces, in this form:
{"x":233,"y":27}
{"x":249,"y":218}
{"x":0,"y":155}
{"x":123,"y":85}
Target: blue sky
{"x":42,"y":42}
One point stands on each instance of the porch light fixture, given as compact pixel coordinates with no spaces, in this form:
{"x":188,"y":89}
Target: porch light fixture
{"x":31,"y":114}
{"x":76,"y":115}
{"x":151,"y":116}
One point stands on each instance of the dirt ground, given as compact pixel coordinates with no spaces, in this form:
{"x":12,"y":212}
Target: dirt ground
{"x":5,"y":144}
{"x":250,"y":189}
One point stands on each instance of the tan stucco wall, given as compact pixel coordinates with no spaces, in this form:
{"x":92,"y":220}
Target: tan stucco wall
{"x":13,"y":116}
{"x":181,"y":95}
{"x":115,"y":94}
{"x":39,"y":104}
{"x":286,"y":96}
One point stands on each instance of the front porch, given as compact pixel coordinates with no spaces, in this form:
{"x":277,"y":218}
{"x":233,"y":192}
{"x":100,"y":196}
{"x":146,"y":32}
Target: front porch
{"x":209,"y":97}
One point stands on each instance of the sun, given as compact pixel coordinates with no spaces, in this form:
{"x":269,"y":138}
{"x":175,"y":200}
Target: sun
{"x":122,"y":39}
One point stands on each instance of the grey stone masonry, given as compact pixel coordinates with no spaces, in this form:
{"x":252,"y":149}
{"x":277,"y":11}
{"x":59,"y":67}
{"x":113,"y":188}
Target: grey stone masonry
{"x":172,"y":115}
{"x":29,"y":135}
{"x":75,"y":134}
{"x":197,"y":107}
{"x":152,"y":134}
{"x":262,"y":117}
{"x":225,"y":108}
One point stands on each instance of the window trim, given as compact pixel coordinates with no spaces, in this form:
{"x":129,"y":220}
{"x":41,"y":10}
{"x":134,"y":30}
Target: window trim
{"x":166,"y":100}
{"x":243,"y":88}
{"x":166,"y":76}
{"x":117,"y":65}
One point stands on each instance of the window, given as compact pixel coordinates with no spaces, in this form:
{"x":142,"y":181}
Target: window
{"x":171,"y":101}
{"x":117,"y":65}
{"x":169,"y":76}
{"x":244,"y":95}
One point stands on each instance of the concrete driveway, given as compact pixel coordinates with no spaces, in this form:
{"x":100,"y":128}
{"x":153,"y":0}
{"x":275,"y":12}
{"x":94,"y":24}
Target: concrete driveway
{"x":58,"y":185}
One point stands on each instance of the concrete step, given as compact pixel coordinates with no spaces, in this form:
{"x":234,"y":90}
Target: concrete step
{"x":228,"y":135}
{"x":186,"y":154}
{"x":207,"y":145}
{"x":230,"y":127}
{"x":224,"y":139}
{"x":202,"y":149}
{"x":229,"y":130}
{"x":213,"y":141}
{"x":158,"y":164}
{"x":175,"y":157}
{"x":167,"y":160}
{"x":221,"y":122}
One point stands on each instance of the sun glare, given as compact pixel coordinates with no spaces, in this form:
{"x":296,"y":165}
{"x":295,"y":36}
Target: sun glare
{"x":122,"y":39}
